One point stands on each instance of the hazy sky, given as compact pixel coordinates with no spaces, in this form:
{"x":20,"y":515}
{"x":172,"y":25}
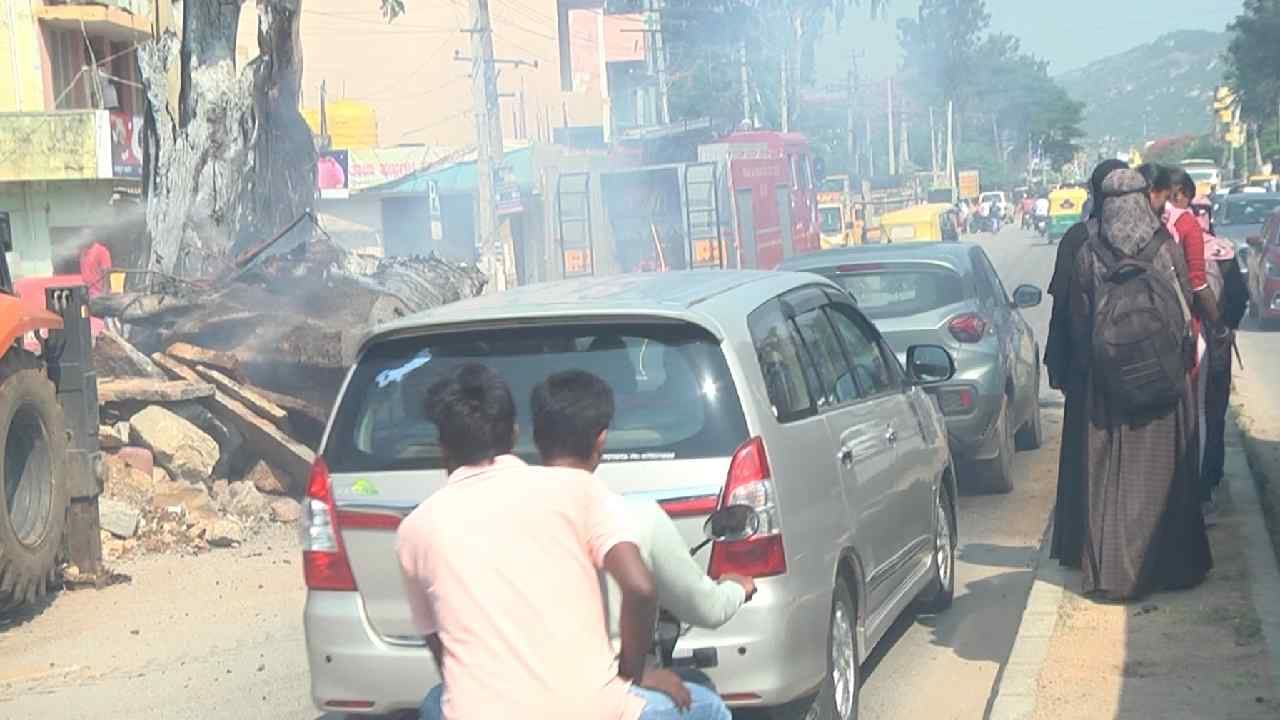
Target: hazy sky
{"x":1067,"y":33}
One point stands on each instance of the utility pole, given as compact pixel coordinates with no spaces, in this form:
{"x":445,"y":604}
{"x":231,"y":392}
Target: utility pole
{"x":871,"y":151}
{"x":933,"y":145}
{"x":653,"y":22}
{"x":893,"y":160}
{"x":484,"y":98}
{"x":786,"y":70}
{"x":951,"y":153}
{"x":746,"y":82}
{"x":850,"y":84}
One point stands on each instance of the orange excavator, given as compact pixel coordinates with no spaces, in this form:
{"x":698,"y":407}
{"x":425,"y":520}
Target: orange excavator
{"x":50,"y":461}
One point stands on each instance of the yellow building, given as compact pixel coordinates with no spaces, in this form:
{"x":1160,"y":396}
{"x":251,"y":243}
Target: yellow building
{"x":70,"y":126}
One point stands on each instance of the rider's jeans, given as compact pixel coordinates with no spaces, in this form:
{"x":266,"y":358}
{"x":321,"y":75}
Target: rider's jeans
{"x":706,"y":705}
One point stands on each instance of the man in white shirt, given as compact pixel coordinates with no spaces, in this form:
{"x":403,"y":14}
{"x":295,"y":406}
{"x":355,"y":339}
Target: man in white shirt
{"x":572,"y":411}
{"x":1041,"y":207}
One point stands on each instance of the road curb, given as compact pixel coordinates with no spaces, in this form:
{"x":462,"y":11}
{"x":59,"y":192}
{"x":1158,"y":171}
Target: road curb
{"x":1014,"y":697}
{"x":1260,"y":554}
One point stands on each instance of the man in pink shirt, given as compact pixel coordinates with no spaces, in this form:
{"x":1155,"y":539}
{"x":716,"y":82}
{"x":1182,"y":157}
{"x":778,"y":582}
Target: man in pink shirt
{"x":501,"y":573}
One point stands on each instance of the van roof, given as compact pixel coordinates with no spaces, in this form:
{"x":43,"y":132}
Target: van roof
{"x":709,"y":298}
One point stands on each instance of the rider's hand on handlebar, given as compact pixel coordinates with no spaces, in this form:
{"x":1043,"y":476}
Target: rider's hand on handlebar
{"x":748,"y":585}
{"x":668,"y":683}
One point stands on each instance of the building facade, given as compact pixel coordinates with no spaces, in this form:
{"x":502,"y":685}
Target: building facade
{"x":70,"y":126}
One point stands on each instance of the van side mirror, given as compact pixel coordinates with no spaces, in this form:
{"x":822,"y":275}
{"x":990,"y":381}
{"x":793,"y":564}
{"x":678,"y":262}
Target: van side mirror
{"x":6,"y":234}
{"x":929,"y":364}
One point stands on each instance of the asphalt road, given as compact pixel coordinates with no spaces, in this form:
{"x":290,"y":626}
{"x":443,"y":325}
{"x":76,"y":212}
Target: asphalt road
{"x":945,"y":666}
{"x":220,"y":635}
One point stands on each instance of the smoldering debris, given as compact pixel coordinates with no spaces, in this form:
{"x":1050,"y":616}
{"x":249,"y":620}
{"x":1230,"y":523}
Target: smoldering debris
{"x":293,"y":322}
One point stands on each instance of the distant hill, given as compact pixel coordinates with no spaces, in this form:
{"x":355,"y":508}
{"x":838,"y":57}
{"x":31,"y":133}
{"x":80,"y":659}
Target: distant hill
{"x":1161,"y":89}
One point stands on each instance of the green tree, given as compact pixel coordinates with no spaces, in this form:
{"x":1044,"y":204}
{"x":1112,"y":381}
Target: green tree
{"x":1253,"y":59}
{"x":1003,"y":97}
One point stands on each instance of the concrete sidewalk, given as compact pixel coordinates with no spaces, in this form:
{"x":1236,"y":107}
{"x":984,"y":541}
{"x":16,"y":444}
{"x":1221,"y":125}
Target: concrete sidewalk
{"x":1210,"y":652}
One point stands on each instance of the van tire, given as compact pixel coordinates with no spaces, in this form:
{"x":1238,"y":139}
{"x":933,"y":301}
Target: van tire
{"x":33,"y":441}
{"x":823,"y":706}
{"x":941,"y":591}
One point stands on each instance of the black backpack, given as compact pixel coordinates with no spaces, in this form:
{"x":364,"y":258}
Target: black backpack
{"x":1140,"y":332}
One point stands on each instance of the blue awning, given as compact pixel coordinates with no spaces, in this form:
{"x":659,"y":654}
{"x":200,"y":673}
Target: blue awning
{"x":459,"y":177}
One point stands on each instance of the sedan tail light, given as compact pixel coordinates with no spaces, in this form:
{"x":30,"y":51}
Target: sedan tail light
{"x":968,"y":328}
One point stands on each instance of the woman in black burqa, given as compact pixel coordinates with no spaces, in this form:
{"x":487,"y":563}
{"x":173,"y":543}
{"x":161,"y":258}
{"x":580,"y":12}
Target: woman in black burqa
{"x":1069,"y":511}
{"x":1144,"y":531}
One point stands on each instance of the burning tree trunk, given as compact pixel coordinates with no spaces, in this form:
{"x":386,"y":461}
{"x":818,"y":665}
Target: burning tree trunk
{"x":234,"y":161}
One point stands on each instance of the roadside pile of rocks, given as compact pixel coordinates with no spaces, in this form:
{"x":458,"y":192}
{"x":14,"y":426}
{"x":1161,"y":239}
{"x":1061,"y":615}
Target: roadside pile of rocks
{"x":195,"y":456}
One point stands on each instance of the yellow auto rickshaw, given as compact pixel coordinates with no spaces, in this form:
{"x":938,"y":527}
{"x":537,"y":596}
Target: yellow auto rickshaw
{"x":930,"y":222}
{"x":1066,"y":208}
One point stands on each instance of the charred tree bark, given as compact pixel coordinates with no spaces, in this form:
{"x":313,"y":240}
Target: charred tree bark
{"x":235,"y":155}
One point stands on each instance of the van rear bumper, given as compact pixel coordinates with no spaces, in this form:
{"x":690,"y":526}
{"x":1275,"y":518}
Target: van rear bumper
{"x":350,"y":663}
{"x":772,"y":652}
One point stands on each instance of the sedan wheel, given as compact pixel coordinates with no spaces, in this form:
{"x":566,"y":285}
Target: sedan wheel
{"x":998,"y":471}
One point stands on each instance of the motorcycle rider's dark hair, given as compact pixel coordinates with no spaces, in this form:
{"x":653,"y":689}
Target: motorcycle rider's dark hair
{"x":570,"y":410}
{"x":1183,"y":182}
{"x":1158,"y":177}
{"x":475,"y":415}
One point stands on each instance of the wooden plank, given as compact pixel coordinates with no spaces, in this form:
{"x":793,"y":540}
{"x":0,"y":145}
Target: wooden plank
{"x":193,"y":355}
{"x":260,"y":436}
{"x":245,"y":395}
{"x":293,"y":404}
{"x":175,"y":369}
{"x":151,"y":391}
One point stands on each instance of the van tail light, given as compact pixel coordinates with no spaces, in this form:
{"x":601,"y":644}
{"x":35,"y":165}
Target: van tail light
{"x":968,"y":328}
{"x":750,"y":483}
{"x":324,"y":559}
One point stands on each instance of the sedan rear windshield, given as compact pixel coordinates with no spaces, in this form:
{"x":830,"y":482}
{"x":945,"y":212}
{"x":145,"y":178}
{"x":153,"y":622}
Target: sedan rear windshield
{"x":883,"y":292}
{"x":672,"y":391}
{"x":1246,"y":212}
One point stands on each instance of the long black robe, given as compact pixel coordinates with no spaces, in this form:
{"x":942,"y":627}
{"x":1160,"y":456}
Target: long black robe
{"x":1070,"y":509}
{"x":1144,"y":531}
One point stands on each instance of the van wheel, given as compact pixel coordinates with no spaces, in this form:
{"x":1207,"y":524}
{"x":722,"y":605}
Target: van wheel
{"x":941,"y":591}
{"x":997,"y":473}
{"x":837,"y":699}
{"x":33,"y":491}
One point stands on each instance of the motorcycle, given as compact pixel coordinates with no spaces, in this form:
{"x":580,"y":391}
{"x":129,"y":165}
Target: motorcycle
{"x":1042,"y":225}
{"x":728,"y":524}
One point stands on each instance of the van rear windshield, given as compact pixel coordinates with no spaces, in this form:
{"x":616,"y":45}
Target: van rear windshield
{"x":673,"y":394}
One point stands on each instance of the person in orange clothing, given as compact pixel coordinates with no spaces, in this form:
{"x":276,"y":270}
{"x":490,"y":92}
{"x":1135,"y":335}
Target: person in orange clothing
{"x":95,"y":265}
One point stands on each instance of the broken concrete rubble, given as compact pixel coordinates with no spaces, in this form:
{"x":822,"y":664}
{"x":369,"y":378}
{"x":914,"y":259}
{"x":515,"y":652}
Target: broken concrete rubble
{"x":267,"y":480}
{"x":118,"y":518}
{"x":286,"y":510}
{"x":180,"y":447}
{"x":224,"y":532}
{"x":245,"y":501}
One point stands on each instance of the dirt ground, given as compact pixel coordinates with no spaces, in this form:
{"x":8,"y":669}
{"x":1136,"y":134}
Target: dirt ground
{"x":213,"y":636}
{"x":1196,"y":654}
